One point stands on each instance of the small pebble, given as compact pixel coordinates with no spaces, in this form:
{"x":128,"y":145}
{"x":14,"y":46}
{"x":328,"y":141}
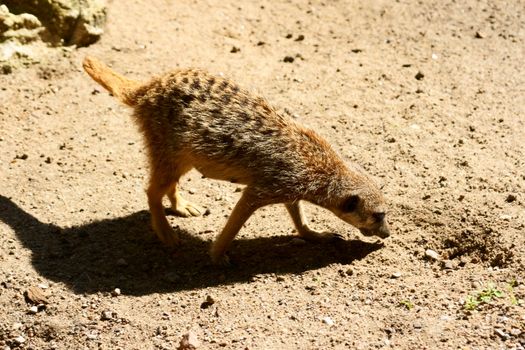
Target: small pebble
{"x":419,"y":76}
{"x":189,"y":341}
{"x":106,"y":315}
{"x":396,"y":274}
{"x":429,"y":253}
{"x":510,"y":198}
{"x":448,"y":265}
{"x":288,"y":59}
{"x":116,"y":292}
{"x":235,"y":49}
{"x":19,"y":340}
{"x":328,"y":321}
{"x":300,"y":37}
{"x":33,"y":309}
{"x":208,"y":302}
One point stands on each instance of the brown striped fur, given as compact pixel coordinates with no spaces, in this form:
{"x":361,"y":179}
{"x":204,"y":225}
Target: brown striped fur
{"x":191,"y":119}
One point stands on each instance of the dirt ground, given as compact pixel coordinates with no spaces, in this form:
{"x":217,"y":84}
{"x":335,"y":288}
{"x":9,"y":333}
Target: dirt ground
{"x":428,"y":96}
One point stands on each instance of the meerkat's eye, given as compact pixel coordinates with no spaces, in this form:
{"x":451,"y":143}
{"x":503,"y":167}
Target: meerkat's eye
{"x":351,"y":203}
{"x":378,"y":217}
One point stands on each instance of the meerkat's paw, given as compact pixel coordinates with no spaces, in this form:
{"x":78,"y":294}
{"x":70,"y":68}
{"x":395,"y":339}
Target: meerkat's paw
{"x":316,"y":236}
{"x":166,"y":235}
{"x":221,"y":260}
{"x":186,"y":209}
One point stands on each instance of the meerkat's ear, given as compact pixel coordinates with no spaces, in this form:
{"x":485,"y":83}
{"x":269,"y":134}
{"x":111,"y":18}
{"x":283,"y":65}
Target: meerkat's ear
{"x":351,"y":203}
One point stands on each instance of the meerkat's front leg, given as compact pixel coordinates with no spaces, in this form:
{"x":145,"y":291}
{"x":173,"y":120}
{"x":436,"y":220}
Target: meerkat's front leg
{"x":181,"y":206}
{"x":296,"y":212}
{"x":242,"y":211}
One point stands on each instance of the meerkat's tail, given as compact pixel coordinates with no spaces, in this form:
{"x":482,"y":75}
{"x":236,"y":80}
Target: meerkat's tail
{"x":120,"y":86}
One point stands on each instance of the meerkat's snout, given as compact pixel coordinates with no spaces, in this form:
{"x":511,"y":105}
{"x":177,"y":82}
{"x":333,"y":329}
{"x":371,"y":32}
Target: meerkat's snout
{"x":366,"y":212}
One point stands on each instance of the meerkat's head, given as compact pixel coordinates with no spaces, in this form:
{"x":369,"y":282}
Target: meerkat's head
{"x":363,"y":206}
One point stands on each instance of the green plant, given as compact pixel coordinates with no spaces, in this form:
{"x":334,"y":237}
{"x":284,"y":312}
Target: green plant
{"x":484,"y":296}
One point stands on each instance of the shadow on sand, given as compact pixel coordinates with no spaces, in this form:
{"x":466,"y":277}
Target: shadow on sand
{"x":102,"y":255}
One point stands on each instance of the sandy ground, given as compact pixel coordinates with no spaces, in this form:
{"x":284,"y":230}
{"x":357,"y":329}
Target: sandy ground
{"x":428,"y":96}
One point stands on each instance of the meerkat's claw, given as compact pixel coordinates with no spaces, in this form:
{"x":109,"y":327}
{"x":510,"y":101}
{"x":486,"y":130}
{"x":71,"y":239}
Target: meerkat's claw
{"x":316,"y":236}
{"x":167,"y":235}
{"x":187,"y":209}
{"x":221,"y":260}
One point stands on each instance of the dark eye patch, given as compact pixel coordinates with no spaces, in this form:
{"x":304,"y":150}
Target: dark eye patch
{"x":351,"y":204}
{"x":378,"y":216}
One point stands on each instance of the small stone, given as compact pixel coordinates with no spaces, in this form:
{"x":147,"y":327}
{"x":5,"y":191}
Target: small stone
{"x":192,"y":191}
{"x":502,"y":334}
{"x":288,"y":59}
{"x":289,"y":36}
{"x":207,"y":212}
{"x":35,"y":295}
{"x":434,"y":56}
{"x":16,"y":326}
{"x":328,"y":321}
{"x":350,"y":272}
{"x":417,"y":324}
{"x":208,"y":302}
{"x":396,"y":274}
{"x":515,"y":332}
{"x":19,"y":340}
{"x":448,"y":265}
{"x":33,"y":309}
{"x":106,"y":315}
{"x":300,"y":37}
{"x":431,"y":254}
{"x":116,"y":292}
{"x":479,"y":35}
{"x":510,"y":198}
{"x":189,"y":341}
{"x":419,"y":76}
{"x":297,"y":241}
{"x":235,"y":49}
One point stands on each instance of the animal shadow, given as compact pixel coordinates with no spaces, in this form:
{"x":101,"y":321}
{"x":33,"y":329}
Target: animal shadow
{"x":102,"y":255}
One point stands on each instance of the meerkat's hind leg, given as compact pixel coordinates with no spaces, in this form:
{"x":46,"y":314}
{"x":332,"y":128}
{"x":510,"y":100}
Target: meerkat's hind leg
{"x":181,"y":206}
{"x":244,"y":208}
{"x":296,"y":212}
{"x":156,"y":191}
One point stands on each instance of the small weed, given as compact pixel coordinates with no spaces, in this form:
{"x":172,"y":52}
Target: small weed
{"x":407,"y":304}
{"x":485,"y":296}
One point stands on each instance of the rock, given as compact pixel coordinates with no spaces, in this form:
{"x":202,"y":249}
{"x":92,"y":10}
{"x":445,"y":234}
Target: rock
{"x":106,"y":315}
{"x":288,"y":59}
{"x":396,"y":274}
{"x":235,"y":49}
{"x":300,"y":37}
{"x":208,"y":302}
{"x":479,"y":35}
{"x":19,"y":340}
{"x":69,"y":22}
{"x":510,"y":198}
{"x":116,"y":292}
{"x":328,"y":321}
{"x":33,"y":309}
{"x":501,"y":334}
{"x":35,"y":295}
{"x":431,"y":254}
{"x":189,"y":341}
{"x":448,"y":265}
{"x":419,"y":76}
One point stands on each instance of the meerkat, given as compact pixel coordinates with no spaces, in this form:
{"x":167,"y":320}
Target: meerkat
{"x":192,"y":119}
